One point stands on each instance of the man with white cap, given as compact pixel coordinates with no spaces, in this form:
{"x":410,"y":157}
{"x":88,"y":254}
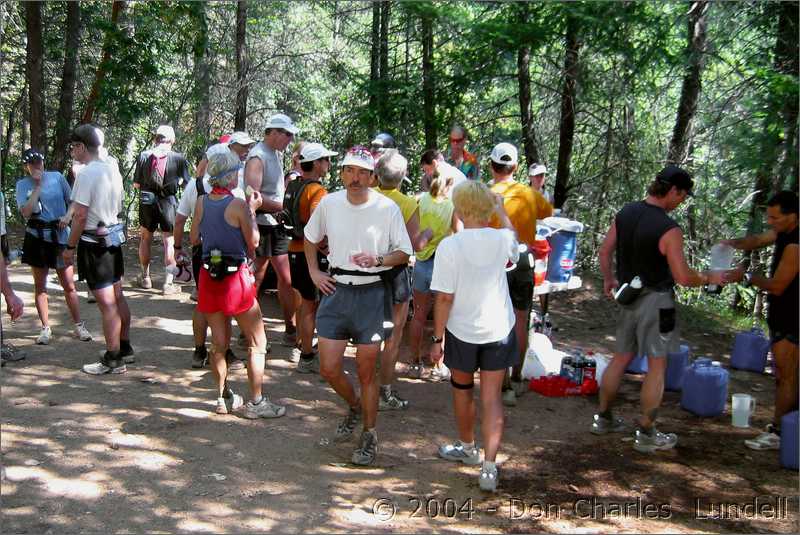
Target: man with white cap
{"x":366,"y":237}
{"x":240,"y":144}
{"x":264,"y":173}
{"x":302,"y":197}
{"x":537,"y":175}
{"x":159,"y":173}
{"x":524,"y":206}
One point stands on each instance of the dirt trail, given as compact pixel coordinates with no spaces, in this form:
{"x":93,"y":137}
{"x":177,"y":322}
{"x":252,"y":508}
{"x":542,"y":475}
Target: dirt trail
{"x":143,"y":451}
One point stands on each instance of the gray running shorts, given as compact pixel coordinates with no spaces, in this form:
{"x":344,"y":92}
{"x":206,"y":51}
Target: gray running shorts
{"x":648,"y":326}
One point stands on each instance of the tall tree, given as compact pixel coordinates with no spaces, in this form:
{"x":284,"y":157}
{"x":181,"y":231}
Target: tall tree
{"x":242,"y":66}
{"x":428,"y":82}
{"x":787,"y":62}
{"x":383,"y":52}
{"x":108,"y":44}
{"x":690,"y":90}
{"x":202,"y":76}
{"x":34,"y":71}
{"x":68,"y":77}
{"x":567,"y":124}
{"x":524,"y":81}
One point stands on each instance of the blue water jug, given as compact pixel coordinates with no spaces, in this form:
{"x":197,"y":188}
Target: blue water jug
{"x":563,"y":239}
{"x":705,"y":388}
{"x":750,"y":350}
{"x":676,"y":369}
{"x":789,"y":430}
{"x":638,"y":365}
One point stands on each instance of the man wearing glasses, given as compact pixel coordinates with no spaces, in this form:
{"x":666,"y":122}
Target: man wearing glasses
{"x":458,"y":157}
{"x":264,"y":173}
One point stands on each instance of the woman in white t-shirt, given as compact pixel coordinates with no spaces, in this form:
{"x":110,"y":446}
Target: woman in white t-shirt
{"x":474,"y":321}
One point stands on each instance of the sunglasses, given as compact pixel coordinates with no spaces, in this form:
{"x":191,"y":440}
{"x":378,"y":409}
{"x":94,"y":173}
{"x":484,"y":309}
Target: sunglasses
{"x":456,"y":140}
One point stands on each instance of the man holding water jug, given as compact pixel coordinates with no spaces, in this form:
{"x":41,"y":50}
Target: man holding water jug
{"x":648,"y":246}
{"x":782,"y":314}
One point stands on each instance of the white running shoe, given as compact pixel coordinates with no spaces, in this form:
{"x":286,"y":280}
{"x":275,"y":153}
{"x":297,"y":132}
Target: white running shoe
{"x":81,"y":332}
{"x":44,"y":337}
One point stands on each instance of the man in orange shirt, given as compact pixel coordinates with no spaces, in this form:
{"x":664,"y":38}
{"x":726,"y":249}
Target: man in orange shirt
{"x":524,"y":206}
{"x":301,"y":198}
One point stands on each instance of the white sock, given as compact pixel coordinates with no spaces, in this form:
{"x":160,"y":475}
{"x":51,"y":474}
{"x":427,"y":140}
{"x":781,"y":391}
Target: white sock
{"x":257,"y":400}
{"x":468,"y":445}
{"x":489,"y":466}
{"x":168,"y":278}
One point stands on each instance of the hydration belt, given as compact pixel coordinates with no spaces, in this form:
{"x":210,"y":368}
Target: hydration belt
{"x":41,"y":226}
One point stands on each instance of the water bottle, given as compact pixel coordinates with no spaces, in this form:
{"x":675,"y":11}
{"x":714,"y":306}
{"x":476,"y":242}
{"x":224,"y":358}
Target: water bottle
{"x":721,"y":258}
{"x":216,"y":256}
{"x":628,"y":292}
{"x":547,"y":329}
{"x":102,"y":234}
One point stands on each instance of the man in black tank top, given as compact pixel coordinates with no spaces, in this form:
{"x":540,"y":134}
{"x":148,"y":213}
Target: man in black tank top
{"x":782,"y":313}
{"x":647,"y":244}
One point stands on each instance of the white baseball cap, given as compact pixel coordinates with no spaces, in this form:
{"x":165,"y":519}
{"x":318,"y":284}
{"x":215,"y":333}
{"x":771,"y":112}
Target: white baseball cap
{"x":166,"y":131}
{"x":241,"y":138}
{"x":359,"y":157}
{"x":280,"y":120}
{"x":537,"y":169}
{"x":504,"y":154}
{"x":315,"y":151}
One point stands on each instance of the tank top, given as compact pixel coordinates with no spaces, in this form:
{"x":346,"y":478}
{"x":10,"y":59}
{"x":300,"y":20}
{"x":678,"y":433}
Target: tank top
{"x":639,"y":228}
{"x":782,"y":314}
{"x":217,"y":233}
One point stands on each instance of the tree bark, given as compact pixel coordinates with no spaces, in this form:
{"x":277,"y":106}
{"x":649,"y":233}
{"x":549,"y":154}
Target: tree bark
{"x":91,"y":103}
{"x":383,"y":102}
{"x":524,"y":82}
{"x":428,"y":82}
{"x":242,"y":66}
{"x":202,"y":76}
{"x":567,"y":123}
{"x":68,"y":77}
{"x":34,"y":71}
{"x":690,"y":90}
{"x":375,"y":66}
{"x":787,"y":50}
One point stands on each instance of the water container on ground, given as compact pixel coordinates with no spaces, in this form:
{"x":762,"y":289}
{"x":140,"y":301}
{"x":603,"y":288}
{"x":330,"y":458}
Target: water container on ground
{"x":750,"y":350}
{"x":638,"y":365}
{"x":789,"y":430}
{"x":676,"y":369}
{"x":705,"y":388}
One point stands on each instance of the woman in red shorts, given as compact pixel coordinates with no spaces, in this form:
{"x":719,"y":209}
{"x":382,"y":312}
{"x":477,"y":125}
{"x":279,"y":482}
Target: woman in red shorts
{"x":229,"y":235}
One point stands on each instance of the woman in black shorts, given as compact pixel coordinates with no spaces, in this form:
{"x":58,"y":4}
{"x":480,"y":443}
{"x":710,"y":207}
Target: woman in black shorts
{"x":43,"y":199}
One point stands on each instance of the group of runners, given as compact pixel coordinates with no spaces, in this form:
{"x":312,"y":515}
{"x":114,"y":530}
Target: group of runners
{"x":348,"y":263}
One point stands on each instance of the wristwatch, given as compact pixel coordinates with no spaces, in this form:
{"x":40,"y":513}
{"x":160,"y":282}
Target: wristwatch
{"x":71,"y":247}
{"x":437,"y":340}
{"x":747,"y":280}
{"x":378,"y":261}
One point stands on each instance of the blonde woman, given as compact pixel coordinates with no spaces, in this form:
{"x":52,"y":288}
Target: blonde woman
{"x":473,"y":323}
{"x":436,"y":212}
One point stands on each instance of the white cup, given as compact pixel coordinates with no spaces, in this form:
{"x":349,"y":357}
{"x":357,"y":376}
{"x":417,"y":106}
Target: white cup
{"x":742,"y":406}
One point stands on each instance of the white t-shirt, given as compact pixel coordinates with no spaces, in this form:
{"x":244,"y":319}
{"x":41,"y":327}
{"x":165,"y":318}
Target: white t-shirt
{"x":272,"y":186}
{"x":446,"y":170}
{"x":472,"y":265}
{"x":375,"y":227}
{"x":99,"y":186}
{"x":189,"y":196}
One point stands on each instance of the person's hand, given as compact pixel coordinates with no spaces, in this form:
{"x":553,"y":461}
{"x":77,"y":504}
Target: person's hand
{"x":364,"y":260}
{"x":36,"y":175}
{"x":63,"y":222}
{"x":436,"y":351}
{"x":255,"y":201}
{"x":68,"y":256}
{"x":427,"y":234}
{"x":323,"y":281}
{"x":610,"y":286}
{"x":734,"y":275}
{"x":182,"y":258}
{"x":14,"y":305}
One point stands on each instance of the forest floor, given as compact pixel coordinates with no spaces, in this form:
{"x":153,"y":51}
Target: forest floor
{"x":144,"y":451}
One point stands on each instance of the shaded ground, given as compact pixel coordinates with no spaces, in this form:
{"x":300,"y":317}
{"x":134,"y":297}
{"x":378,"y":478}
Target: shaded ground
{"x":143,"y":452}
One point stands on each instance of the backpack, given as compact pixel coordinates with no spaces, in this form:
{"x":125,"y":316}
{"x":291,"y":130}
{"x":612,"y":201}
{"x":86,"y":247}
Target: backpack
{"x":290,"y":215}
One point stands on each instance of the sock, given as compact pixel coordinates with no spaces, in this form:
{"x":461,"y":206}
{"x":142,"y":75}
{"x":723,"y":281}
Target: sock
{"x":168,"y":278}
{"x":607,"y":414}
{"x":386,"y":390}
{"x":257,"y":400}
{"x":146,"y":271}
{"x":489,"y":466}
{"x":468,"y":445}
{"x":372,"y":431}
{"x":646,"y":430}
{"x":307,"y":356}
{"x":201,"y":348}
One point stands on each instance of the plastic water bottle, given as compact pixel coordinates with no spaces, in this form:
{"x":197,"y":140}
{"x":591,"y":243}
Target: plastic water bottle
{"x":102,"y":233}
{"x":216,"y":256}
{"x":628,"y":292}
{"x":721,"y":258}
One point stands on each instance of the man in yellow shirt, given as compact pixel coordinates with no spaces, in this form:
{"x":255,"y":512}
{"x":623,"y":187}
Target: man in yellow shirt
{"x":523,"y":206}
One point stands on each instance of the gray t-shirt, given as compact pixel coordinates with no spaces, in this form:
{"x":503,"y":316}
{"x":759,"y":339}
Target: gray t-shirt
{"x":272,"y":186}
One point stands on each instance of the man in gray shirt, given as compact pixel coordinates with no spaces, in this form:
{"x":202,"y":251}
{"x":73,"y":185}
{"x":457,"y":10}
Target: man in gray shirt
{"x":264,"y":173}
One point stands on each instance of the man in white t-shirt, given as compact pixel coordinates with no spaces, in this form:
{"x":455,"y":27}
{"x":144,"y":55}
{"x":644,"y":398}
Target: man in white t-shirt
{"x":366,"y":236}
{"x":98,"y":236}
{"x":264,"y":173}
{"x":239,"y":143}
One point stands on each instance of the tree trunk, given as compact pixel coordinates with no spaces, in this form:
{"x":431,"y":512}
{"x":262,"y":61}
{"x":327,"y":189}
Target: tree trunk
{"x":375,"y":66}
{"x":788,"y":62}
{"x":68,"y":77}
{"x":567,"y":124}
{"x":524,"y":81}
{"x":91,"y":103}
{"x":202,"y":76}
{"x":384,"y":99}
{"x":428,"y":82}
{"x":34,"y":71}
{"x":242,"y":66}
{"x":690,"y":91}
